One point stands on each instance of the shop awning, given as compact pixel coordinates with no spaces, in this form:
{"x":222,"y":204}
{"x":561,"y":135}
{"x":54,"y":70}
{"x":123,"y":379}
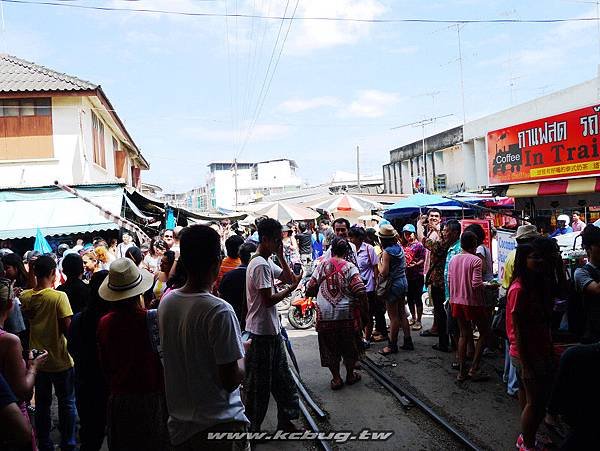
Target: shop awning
{"x":57,"y":212}
{"x":555,"y":188}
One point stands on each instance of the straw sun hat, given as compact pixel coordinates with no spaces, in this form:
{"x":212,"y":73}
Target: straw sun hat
{"x":387,"y":231}
{"x":124,"y":281}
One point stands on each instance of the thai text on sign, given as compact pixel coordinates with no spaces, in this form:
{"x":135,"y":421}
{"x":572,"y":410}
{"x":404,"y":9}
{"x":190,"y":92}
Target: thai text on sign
{"x":556,"y":147}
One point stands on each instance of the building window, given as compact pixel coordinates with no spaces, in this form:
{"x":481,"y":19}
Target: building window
{"x":26,"y":129}
{"x":120,"y":160}
{"x":98,"y":141}
{"x":25,"y":107}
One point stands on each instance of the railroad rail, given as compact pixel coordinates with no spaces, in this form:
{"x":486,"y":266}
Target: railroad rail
{"x":407,"y":399}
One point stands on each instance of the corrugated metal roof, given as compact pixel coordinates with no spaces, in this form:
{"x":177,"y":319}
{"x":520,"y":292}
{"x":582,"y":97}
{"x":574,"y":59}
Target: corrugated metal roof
{"x":17,"y":75}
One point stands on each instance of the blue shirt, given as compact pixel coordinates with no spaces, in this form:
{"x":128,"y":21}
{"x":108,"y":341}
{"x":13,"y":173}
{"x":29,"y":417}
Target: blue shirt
{"x":563,"y":231}
{"x":455,"y":249}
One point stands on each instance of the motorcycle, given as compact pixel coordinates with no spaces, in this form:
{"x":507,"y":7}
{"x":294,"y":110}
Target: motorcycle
{"x":302,"y":313}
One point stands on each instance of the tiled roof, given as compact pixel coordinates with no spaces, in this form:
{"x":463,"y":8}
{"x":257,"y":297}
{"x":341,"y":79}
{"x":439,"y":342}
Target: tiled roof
{"x":17,"y":75}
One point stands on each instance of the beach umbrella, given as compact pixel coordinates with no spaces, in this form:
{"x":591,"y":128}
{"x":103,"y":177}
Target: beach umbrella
{"x":345,"y":203}
{"x":41,"y":244}
{"x":417,"y":202}
{"x":286,"y":212}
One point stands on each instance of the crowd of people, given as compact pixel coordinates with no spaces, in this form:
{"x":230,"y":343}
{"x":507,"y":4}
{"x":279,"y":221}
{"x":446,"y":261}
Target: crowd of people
{"x":139,"y":347}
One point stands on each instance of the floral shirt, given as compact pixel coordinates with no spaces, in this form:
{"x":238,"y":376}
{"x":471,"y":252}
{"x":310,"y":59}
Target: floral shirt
{"x":438,"y":250}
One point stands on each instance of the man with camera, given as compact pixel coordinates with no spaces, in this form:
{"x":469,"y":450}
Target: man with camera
{"x":428,"y":227}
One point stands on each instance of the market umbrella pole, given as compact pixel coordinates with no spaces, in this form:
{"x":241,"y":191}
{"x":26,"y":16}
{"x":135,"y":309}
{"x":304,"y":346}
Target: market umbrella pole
{"x":119,"y":220}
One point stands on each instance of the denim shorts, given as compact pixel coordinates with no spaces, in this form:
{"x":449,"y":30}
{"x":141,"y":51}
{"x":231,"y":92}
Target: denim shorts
{"x":397,"y":292}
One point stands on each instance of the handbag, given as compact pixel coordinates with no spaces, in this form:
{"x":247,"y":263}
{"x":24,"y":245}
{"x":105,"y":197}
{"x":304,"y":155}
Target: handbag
{"x":383,"y":286}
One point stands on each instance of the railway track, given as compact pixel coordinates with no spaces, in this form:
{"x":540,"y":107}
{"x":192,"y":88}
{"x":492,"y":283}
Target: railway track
{"x":409,"y":400}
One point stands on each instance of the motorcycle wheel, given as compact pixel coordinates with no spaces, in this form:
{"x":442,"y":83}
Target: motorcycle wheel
{"x":299,"y":321}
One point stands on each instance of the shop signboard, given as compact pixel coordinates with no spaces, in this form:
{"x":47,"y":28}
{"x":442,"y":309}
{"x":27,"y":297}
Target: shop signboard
{"x":485,"y":224}
{"x":506,"y":243}
{"x":556,"y":147}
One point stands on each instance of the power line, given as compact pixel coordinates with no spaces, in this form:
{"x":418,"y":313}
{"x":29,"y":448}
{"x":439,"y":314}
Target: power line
{"x":314,"y":18}
{"x":264,"y":83}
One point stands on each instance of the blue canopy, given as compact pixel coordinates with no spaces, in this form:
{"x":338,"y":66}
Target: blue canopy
{"x":418,"y":202}
{"x":41,"y":244}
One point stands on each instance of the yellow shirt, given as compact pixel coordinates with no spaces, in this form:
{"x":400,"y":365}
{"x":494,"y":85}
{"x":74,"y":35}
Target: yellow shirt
{"x":509,"y":268}
{"x":43,"y":309}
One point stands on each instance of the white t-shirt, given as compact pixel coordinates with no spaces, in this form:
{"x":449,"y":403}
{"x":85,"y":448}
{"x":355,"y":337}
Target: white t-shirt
{"x":198,"y":331}
{"x":261,"y":273}
{"x":489,"y":264}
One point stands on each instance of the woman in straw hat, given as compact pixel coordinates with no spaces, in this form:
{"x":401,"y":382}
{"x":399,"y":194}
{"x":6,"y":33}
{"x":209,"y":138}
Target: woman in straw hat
{"x":392,"y":273}
{"x":137,"y":414}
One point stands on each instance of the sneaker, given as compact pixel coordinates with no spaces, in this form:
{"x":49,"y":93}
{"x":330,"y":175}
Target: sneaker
{"x":366,"y":344}
{"x":417,"y":325}
{"x":519,"y":441}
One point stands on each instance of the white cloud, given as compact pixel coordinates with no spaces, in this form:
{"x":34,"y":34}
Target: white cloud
{"x":308,"y":35}
{"x":371,"y":103}
{"x":298,"y":105}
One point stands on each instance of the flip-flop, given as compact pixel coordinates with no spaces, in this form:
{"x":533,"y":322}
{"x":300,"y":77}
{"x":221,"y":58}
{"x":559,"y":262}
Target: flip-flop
{"x":336,"y":386}
{"x":390,"y":351}
{"x":354,"y":380}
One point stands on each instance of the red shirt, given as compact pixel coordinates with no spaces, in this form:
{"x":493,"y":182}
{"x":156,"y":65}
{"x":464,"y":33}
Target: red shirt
{"x":538,"y":337}
{"x":126,"y":355}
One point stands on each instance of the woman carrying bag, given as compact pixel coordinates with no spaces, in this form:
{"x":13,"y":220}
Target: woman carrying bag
{"x":392,"y":287}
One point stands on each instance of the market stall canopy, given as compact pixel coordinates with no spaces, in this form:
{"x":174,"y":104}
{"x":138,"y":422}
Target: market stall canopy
{"x":285,"y":212}
{"x":555,"y":187}
{"x":57,"y":212}
{"x":418,"y":202}
{"x":567,"y":193}
{"x":344,"y":203}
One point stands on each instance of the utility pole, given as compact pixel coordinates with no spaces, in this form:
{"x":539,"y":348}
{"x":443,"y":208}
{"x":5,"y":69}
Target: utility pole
{"x":235,"y":182}
{"x":422,"y":124}
{"x":358,"y":167}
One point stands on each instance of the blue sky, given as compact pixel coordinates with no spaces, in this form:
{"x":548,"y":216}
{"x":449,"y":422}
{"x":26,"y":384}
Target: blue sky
{"x":188,"y":88}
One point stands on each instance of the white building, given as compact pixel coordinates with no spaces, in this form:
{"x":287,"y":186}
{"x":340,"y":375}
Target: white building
{"x":57,"y":127}
{"x":254,"y":180}
{"x":457,"y":159}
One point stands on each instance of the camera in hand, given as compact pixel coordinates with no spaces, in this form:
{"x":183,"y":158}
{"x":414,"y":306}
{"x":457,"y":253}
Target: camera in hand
{"x":35,"y":352}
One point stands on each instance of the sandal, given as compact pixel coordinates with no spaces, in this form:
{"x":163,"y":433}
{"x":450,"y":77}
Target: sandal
{"x":354,"y":380}
{"x":478,"y":376}
{"x":378,"y":338}
{"x":336,"y":385}
{"x":391,"y":349}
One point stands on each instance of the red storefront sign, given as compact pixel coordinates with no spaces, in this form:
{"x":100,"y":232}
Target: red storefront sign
{"x":556,"y":147}
{"x":485,"y":224}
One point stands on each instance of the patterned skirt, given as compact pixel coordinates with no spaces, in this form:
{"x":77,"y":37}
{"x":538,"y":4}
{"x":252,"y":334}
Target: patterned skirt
{"x":338,"y":340}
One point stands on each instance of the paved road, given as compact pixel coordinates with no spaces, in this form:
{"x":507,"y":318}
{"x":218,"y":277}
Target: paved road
{"x":483,"y":409}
